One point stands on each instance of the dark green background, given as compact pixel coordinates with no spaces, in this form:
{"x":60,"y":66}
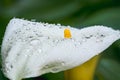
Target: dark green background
{"x":76,"y":13}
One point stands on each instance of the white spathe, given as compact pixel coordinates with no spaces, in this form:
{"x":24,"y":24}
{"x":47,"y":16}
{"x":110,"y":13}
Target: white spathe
{"x":30,"y":49}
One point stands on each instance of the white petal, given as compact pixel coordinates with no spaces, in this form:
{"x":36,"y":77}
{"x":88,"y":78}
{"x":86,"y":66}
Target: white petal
{"x":30,"y":49}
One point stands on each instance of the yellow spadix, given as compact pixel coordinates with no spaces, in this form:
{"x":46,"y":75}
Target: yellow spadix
{"x":67,"y":33}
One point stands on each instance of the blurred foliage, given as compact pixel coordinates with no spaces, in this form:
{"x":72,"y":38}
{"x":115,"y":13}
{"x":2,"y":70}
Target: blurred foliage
{"x":76,"y":13}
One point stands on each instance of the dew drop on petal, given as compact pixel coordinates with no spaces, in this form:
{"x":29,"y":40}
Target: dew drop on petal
{"x":33,"y":20}
{"x":39,"y":50}
{"x":54,"y":70}
{"x":34,"y":42}
{"x":62,"y":63}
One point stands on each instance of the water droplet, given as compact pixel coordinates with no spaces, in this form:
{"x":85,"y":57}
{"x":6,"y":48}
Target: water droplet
{"x":79,"y":43}
{"x":34,"y":42}
{"x":60,"y":27}
{"x":27,"y":28}
{"x":34,"y":23}
{"x":63,"y":63}
{"x":56,"y":41}
{"x":28,"y":23}
{"x":22,"y":18}
{"x":59,"y":59}
{"x":84,"y":40}
{"x":27,"y":50}
{"x":58,"y":24}
{"x":34,"y":31}
{"x":45,"y":67}
{"x":98,"y":40}
{"x":18,"y":54}
{"x":33,"y":20}
{"x":102,"y":35}
{"x":68,"y":26}
{"x":11,"y":66}
{"x":87,"y":37}
{"x":91,"y":35}
{"x":19,"y":31}
{"x":7,"y":69}
{"x":16,"y":32}
{"x":72,"y":39}
{"x":23,"y":40}
{"x":48,"y":37}
{"x":25,"y":55}
{"x":30,"y":36}
{"x":39,"y":35}
{"x":24,"y":24}
{"x":39,"y":50}
{"x":54,"y":70}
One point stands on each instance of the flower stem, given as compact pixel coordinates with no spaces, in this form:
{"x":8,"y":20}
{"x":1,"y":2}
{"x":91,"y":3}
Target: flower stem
{"x":84,"y":71}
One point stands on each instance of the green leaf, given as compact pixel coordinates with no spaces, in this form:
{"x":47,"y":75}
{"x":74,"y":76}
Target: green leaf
{"x":108,"y":70}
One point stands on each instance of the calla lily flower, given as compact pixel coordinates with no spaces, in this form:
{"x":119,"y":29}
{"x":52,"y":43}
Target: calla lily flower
{"x":30,"y":49}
